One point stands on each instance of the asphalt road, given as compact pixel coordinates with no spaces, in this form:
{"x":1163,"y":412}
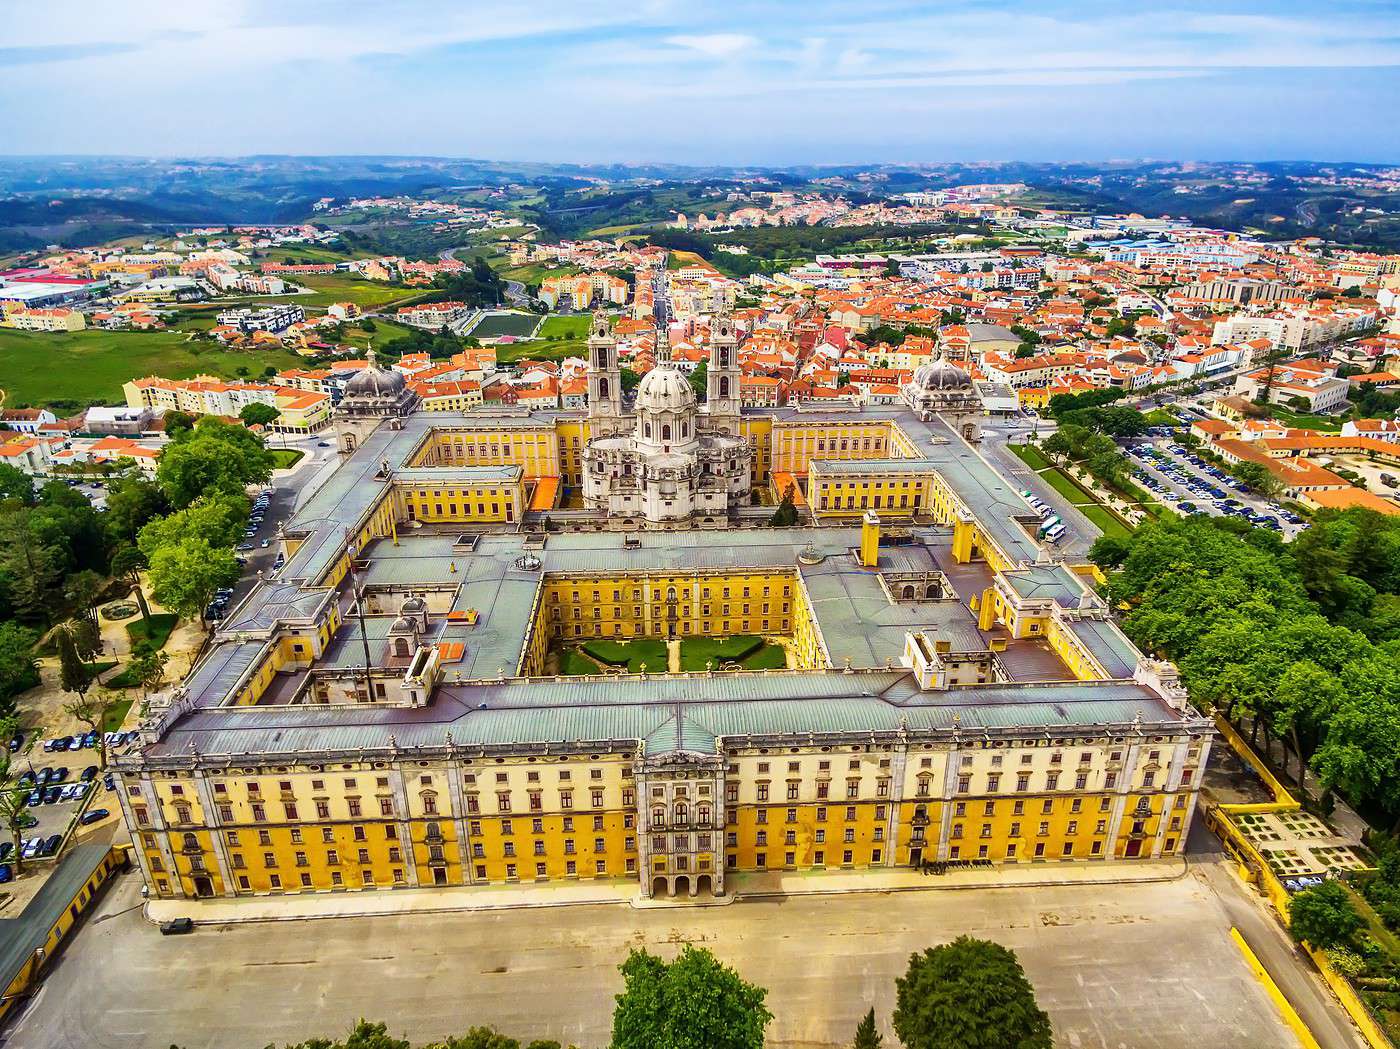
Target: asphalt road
{"x":1144,"y":966}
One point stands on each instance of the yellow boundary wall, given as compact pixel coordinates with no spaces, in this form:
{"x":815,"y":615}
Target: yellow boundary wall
{"x":1351,"y":1001}
{"x":1284,"y":1006}
{"x":1283,"y":801}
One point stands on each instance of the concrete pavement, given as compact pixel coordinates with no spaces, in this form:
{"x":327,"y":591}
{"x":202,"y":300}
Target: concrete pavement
{"x":1146,"y":966}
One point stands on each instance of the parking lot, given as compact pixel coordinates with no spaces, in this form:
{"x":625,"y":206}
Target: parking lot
{"x":62,"y":780}
{"x":1189,"y":484}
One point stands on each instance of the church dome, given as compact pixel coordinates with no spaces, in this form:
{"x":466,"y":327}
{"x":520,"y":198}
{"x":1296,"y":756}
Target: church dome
{"x":941,"y":375}
{"x":664,"y":389}
{"x":375,"y":382}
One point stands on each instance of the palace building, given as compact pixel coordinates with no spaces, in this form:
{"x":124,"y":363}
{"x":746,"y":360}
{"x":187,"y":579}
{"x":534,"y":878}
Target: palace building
{"x":416,"y":699}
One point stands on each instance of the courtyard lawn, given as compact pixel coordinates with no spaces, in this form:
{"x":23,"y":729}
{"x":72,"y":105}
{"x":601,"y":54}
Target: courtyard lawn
{"x":539,"y":350}
{"x":162,"y":626}
{"x":573,"y":663}
{"x":630,"y":654}
{"x":89,"y":367}
{"x":283,"y":458}
{"x":748,"y":650}
{"x":1304,"y":421}
{"x":494,"y":325}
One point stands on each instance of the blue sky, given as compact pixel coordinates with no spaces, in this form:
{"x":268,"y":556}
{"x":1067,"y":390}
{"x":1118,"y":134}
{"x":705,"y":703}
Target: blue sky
{"x":687,"y":81}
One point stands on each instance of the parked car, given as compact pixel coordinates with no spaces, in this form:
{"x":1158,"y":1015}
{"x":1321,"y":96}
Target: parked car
{"x":109,"y":781}
{"x":92,"y":816}
{"x":59,"y":743}
{"x":27,"y":820}
{"x":51,"y":844}
{"x":90,"y":740}
{"x":59,"y":774}
{"x":51,"y":795}
{"x":31,"y":847}
{"x":36,"y":798}
{"x":6,"y":873}
{"x":26,"y":778}
{"x":176,"y":927}
{"x":6,"y":848}
{"x":89,"y":774}
{"x":16,"y":741}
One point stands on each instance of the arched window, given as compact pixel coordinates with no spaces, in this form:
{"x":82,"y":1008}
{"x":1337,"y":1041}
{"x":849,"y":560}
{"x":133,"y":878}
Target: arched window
{"x":191,"y":842}
{"x":724,"y":386}
{"x":931,"y":591}
{"x":909,"y":593}
{"x":429,"y":804}
{"x":647,"y":429}
{"x":666,"y":432}
{"x":702,"y":813}
{"x":602,"y":387}
{"x":658,"y":817}
{"x":682,"y":812}
{"x":401,"y":647}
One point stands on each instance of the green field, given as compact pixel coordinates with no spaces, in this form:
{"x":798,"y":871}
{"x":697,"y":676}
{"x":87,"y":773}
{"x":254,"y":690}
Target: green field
{"x":1162,"y":417}
{"x":537,"y":350}
{"x":574,"y":326}
{"x":533,"y":273}
{"x":314,"y":252}
{"x":631,"y":655}
{"x":494,"y":325}
{"x":90,"y":366}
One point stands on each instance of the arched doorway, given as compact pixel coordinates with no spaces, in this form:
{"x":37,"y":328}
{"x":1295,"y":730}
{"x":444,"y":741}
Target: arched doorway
{"x":682,"y":886}
{"x":909,"y":593}
{"x":704,"y":886}
{"x":658,"y":888}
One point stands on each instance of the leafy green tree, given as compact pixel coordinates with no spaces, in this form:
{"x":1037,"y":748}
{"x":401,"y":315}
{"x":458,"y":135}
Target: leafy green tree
{"x":217,"y":519}
{"x":132,"y":501}
{"x":185,"y":575}
{"x":14,"y":812}
{"x":867,"y":1036}
{"x":16,"y":485}
{"x":259,"y":414}
{"x":18,"y":669}
{"x":177,"y":421}
{"x":968,"y":994}
{"x":693,"y":1002}
{"x":215,"y":457}
{"x":1323,"y":916}
{"x":87,"y":638}
{"x":74,"y":674}
{"x":127,"y":563}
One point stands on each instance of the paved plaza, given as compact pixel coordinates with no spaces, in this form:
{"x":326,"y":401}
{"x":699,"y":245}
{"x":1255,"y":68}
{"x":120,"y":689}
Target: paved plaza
{"x":1135,"y":966}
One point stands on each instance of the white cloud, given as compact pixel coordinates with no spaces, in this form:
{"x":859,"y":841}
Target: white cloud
{"x":715,"y":45}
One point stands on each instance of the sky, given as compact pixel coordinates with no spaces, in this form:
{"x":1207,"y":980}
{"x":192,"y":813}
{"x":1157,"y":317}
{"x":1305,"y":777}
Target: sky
{"x":692,"y":82}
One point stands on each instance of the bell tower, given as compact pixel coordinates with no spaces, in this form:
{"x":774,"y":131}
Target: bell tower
{"x":604,"y":378}
{"x":722,"y":399}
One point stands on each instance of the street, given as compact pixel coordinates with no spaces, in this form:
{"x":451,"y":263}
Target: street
{"x":1146,"y":966}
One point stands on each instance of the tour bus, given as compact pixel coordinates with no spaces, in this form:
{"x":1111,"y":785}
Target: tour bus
{"x":1055,"y":534}
{"x":1049,"y":524}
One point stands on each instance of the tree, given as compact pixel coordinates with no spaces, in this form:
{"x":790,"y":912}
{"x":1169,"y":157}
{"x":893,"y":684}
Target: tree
{"x":16,"y":485}
{"x":968,"y":994}
{"x":177,"y":421}
{"x":785,"y":516}
{"x":693,"y":1002}
{"x":214,"y":457}
{"x":93,"y":709}
{"x":132,"y":501}
{"x":14,"y":808}
{"x":127,"y":563}
{"x":87,"y":638}
{"x":1323,"y":916}
{"x":217,"y":519}
{"x":74,"y":675}
{"x":867,"y":1037}
{"x":148,"y":669}
{"x":18,"y":669}
{"x":185,"y":575}
{"x":259,"y":414}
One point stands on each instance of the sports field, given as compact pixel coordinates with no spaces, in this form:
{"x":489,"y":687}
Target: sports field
{"x":494,"y":325}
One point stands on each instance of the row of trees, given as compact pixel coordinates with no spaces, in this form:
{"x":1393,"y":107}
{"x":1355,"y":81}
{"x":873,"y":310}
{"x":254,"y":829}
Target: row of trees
{"x":1279,"y":635}
{"x":968,"y":994}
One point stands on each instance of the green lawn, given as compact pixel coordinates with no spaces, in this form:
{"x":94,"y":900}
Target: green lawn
{"x":1065,"y":485}
{"x":534,"y":273}
{"x":1162,"y":417}
{"x":162,"y":626}
{"x":1030,"y":455}
{"x":631,"y":654}
{"x":1107,"y":522}
{"x":282,"y":458}
{"x":124,"y":679}
{"x":494,"y":325}
{"x":574,"y":326}
{"x":573,"y":663}
{"x":90,"y":366}
{"x":748,"y":650}
{"x":116,"y":716}
{"x":1303,"y":421}
{"x":346,"y":287}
